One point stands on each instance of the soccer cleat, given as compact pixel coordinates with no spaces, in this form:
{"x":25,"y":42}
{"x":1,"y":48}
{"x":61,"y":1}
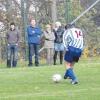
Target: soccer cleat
{"x":74,"y":82}
{"x":65,"y":77}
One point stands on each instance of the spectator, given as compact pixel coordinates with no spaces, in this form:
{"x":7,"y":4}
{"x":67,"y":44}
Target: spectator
{"x":49,"y":43}
{"x":12,"y":46}
{"x":34,"y":36}
{"x":58,"y":46}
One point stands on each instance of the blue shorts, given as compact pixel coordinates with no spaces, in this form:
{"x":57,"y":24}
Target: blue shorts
{"x":58,"y":47}
{"x":72,"y":55}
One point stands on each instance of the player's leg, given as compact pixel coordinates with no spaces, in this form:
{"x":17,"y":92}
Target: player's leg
{"x":70,"y":73}
{"x":69,"y":67}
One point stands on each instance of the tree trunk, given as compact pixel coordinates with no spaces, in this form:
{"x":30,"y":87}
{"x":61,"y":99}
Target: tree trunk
{"x":54,"y":11}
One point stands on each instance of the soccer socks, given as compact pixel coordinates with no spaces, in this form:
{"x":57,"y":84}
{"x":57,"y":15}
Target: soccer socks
{"x":69,"y":73}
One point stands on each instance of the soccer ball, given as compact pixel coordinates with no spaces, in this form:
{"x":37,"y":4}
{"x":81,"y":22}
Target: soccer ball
{"x":56,"y":78}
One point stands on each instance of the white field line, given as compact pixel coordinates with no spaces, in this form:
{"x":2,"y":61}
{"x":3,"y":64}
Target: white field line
{"x":45,"y":94}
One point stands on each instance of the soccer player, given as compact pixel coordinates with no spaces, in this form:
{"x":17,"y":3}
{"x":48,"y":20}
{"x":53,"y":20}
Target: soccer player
{"x":73,"y":42}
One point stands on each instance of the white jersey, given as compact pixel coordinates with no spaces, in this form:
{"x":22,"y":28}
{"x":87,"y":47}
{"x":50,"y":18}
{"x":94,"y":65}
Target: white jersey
{"x":73,"y":37}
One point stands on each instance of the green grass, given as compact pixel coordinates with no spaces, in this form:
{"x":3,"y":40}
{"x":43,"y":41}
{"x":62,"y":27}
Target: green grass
{"x":23,"y":83}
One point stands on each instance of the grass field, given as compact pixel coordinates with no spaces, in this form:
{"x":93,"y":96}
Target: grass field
{"x":23,"y":83}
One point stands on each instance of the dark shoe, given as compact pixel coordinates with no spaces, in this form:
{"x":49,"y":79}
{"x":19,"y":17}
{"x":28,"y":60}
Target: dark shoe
{"x":8,"y":63}
{"x":30,"y":64}
{"x":61,"y":63}
{"x":14,"y":63}
{"x":37,"y":64}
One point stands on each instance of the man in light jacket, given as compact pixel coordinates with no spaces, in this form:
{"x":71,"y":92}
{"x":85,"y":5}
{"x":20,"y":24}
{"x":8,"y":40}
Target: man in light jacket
{"x":49,"y":43}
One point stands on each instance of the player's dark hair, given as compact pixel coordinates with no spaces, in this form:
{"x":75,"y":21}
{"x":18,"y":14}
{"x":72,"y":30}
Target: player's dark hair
{"x":69,"y":26}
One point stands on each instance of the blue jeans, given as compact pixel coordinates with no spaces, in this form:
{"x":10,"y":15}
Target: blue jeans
{"x":33,"y":49}
{"x":12,"y":55}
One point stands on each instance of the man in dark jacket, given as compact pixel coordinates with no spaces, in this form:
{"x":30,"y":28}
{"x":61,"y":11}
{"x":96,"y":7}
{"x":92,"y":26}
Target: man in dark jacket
{"x":34,"y":35}
{"x":12,"y":48}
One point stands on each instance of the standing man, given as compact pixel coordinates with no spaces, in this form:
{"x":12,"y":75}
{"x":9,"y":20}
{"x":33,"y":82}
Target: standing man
{"x":58,"y":43}
{"x":34,"y":36}
{"x":73,"y":42}
{"x":12,"y":48}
